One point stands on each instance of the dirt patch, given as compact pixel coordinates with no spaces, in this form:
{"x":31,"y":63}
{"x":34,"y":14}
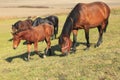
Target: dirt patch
{"x":25,"y":8}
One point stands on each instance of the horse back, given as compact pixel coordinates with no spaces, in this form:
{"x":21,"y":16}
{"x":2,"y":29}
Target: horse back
{"x":49,"y":29}
{"x":44,"y":29}
{"x":23,"y":25}
{"x":101,"y":7}
{"x":92,"y":14}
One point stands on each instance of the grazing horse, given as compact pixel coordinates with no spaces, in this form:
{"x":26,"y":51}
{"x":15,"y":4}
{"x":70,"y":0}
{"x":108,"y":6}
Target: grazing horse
{"x":22,"y":25}
{"x":85,"y":16}
{"x":52,"y":20}
{"x":35,"y":35}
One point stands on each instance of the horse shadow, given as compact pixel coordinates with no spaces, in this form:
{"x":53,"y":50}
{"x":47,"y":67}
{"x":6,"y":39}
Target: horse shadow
{"x":54,"y":49}
{"x":22,"y":56}
{"x":10,"y":39}
{"x":57,"y":48}
{"x":84,"y":44}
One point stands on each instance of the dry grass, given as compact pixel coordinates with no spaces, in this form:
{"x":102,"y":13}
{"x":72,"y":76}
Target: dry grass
{"x":102,"y":63}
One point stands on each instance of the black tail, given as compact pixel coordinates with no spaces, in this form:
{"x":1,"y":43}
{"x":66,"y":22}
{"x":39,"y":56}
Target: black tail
{"x":106,"y":24}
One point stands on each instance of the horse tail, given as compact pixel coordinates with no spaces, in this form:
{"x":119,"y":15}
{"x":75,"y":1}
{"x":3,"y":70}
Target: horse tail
{"x":107,"y":10}
{"x":106,"y":24}
{"x":56,"y":26}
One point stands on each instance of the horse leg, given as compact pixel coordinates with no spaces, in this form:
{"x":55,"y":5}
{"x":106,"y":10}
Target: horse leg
{"x":55,"y":32}
{"x":28,"y":50}
{"x":36,"y":47}
{"x":48,"y":49}
{"x":87,"y":38}
{"x":56,"y":29}
{"x":75,"y":32}
{"x":100,"y":30}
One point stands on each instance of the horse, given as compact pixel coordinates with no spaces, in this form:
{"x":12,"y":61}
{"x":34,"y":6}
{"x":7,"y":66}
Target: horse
{"x":84,"y":16}
{"x":52,"y":20}
{"x":38,"y":21}
{"x":55,"y":22}
{"x":22,"y":25}
{"x":35,"y":35}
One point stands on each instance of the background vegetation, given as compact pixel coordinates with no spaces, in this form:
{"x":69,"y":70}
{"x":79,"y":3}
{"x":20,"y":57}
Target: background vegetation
{"x":102,"y":63}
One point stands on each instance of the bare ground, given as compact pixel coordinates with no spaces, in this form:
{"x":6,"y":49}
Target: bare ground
{"x":25,"y":8}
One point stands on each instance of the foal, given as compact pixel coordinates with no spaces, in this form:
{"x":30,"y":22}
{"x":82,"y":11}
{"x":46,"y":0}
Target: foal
{"x":34,"y":35}
{"x":22,"y":25}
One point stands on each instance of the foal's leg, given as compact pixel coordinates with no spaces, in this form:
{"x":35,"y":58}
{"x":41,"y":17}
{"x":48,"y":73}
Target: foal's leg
{"x":48,"y":49}
{"x":36,"y":47}
{"x":87,"y":38}
{"x":28,"y":50}
{"x":75,"y":32}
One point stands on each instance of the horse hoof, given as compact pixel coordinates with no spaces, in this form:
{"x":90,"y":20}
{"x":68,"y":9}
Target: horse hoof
{"x":44,"y":56}
{"x":64,"y":54}
{"x":96,"y":46}
{"x":26,"y":59}
{"x":30,"y":58}
{"x":73,"y":50}
{"x":86,"y":49}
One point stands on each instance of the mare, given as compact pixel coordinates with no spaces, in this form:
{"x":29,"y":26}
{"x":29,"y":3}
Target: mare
{"x":52,"y":20}
{"x":85,"y":16}
{"x":22,"y":25}
{"x":35,"y":35}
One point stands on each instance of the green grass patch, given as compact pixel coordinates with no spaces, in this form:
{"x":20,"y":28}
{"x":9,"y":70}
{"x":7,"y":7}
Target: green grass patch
{"x":102,"y":63}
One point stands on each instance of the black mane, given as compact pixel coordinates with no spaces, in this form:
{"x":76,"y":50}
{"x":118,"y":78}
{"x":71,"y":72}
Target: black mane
{"x":16,"y":24}
{"x":71,"y":19}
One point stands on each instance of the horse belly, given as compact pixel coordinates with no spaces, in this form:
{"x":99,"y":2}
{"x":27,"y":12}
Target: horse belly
{"x":94,"y":21}
{"x":41,"y":38}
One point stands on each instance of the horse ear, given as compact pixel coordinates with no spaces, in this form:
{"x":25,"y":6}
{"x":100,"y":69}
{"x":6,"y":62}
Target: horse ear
{"x":12,"y":33}
{"x":12,"y":24}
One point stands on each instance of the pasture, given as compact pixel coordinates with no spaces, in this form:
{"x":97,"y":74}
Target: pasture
{"x":102,"y":63}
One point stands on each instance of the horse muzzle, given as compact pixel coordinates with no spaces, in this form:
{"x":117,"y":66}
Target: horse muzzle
{"x":14,"y":47}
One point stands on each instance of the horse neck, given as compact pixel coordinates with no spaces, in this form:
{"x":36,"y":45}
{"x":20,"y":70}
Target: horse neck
{"x":71,"y":20}
{"x":16,"y":25}
{"x":67,"y":28}
{"x":23,"y":34}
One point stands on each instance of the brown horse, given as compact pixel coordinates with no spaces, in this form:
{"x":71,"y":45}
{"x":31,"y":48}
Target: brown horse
{"x":34,"y":35}
{"x":85,"y":16}
{"x":22,"y":25}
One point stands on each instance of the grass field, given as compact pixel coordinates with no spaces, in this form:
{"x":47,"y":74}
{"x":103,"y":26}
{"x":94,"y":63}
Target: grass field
{"x":102,"y":63}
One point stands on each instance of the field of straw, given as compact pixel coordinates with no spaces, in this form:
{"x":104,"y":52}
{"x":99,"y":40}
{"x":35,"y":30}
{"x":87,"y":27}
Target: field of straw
{"x":102,"y":63}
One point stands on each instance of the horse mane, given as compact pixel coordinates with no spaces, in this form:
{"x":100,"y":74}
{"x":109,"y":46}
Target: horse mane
{"x":40,"y":20}
{"x":51,"y":19}
{"x":16,"y":24}
{"x":71,"y":19}
{"x":30,"y":21}
{"x":22,"y":33}
{"x":37,"y":21}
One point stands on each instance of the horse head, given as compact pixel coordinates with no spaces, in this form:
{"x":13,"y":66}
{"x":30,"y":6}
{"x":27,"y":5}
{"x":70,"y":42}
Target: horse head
{"x":65,"y":44}
{"x":16,"y":40}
